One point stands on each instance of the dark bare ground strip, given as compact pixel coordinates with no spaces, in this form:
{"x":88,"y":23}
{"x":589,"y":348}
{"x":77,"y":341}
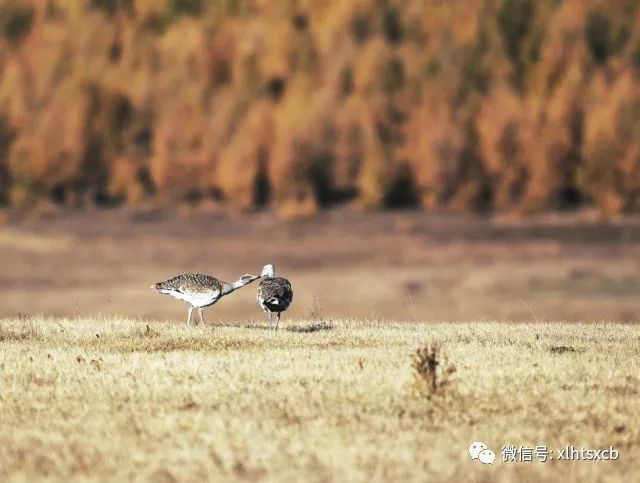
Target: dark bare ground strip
{"x":401,"y":265}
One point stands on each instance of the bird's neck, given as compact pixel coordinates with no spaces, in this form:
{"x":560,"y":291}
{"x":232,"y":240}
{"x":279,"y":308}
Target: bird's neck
{"x":230,"y":287}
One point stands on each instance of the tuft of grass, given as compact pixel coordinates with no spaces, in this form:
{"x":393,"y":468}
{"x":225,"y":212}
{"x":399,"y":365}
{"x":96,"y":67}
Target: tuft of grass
{"x":432,"y":372}
{"x":20,"y":329}
{"x":315,"y":310}
{"x":310,"y":328}
{"x":562,"y":349}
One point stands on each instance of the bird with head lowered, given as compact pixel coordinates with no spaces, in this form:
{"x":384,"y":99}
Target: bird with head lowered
{"x":199,"y":290}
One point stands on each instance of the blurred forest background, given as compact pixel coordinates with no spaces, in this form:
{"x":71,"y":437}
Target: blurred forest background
{"x":476,"y":105}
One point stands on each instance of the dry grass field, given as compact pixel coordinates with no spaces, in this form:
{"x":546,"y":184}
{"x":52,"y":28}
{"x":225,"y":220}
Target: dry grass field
{"x":115,"y":399}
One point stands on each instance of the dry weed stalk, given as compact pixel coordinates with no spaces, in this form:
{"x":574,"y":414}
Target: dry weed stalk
{"x":432,"y":371}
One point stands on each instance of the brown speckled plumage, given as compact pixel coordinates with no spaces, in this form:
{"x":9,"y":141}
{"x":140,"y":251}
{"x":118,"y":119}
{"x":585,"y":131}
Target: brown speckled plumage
{"x":195,"y":283}
{"x":199,"y":290}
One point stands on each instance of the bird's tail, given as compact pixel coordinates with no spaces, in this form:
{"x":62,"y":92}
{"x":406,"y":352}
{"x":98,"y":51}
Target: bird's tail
{"x":157,"y":286}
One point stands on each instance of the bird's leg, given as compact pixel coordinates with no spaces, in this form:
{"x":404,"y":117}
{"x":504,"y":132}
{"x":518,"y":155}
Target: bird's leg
{"x":268,"y":315}
{"x":189,"y":318}
{"x":277,"y":321}
{"x":201,"y":315}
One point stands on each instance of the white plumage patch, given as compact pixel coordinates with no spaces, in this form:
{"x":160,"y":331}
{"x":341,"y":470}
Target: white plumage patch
{"x":268,"y":271}
{"x":196,"y":300}
{"x":262,"y":302}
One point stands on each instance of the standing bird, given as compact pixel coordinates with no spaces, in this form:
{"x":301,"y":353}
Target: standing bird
{"x":199,"y":290}
{"x":274,"y":293}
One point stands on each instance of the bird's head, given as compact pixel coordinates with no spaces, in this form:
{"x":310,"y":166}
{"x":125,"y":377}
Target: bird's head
{"x":248,"y":278}
{"x":268,"y":271}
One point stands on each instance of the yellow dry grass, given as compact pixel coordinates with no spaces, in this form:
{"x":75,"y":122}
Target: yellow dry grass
{"x":115,"y":399}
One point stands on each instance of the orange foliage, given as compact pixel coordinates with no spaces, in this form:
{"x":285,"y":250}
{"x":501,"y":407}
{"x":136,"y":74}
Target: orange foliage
{"x":499,"y":104}
{"x":611,"y":171}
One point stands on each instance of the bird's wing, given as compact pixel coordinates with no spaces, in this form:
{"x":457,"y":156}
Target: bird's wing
{"x":287,"y":291}
{"x":276,"y":291}
{"x":192,"y":283}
